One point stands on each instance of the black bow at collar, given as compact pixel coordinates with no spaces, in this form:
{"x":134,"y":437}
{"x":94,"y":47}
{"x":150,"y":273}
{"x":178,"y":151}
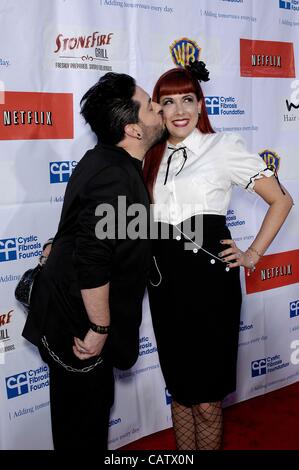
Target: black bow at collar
{"x":170,"y":158}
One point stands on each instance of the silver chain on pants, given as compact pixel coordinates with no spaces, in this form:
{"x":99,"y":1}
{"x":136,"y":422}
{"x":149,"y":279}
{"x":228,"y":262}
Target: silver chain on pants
{"x":69,"y":368}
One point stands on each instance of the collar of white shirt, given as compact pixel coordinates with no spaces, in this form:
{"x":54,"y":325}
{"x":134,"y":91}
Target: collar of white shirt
{"x":192,"y":142}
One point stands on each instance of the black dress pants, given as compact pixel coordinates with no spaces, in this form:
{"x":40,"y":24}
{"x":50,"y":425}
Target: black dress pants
{"x":80,"y":405}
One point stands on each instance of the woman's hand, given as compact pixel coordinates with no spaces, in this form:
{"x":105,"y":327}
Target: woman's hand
{"x":235,"y":257}
{"x":46,"y":251}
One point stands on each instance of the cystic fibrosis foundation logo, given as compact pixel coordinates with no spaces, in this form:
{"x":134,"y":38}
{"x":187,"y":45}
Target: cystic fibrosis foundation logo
{"x":267,"y":365}
{"x":273,"y":271}
{"x":168,"y":397}
{"x":222,"y":105}
{"x":183,"y":51}
{"x":294,"y":309}
{"x":60,"y":172}
{"x":33,"y":115}
{"x":146,"y":346}
{"x":258,"y":367}
{"x":26,"y":382}
{"x":114,"y":421}
{"x":4,"y":62}
{"x":285,"y":5}
{"x":266,"y":59}
{"x":289,"y":5}
{"x":244,"y":327}
{"x":12,"y":249}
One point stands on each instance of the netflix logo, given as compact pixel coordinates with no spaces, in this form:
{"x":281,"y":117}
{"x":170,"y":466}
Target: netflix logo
{"x":277,"y":270}
{"x":266,"y":59}
{"x":33,"y":115}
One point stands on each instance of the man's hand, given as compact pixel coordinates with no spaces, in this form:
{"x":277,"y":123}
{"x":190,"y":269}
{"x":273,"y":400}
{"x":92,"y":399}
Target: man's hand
{"x":91,"y":346}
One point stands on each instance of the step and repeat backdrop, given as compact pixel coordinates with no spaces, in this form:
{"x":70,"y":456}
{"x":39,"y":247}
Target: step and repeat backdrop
{"x":51,"y":52}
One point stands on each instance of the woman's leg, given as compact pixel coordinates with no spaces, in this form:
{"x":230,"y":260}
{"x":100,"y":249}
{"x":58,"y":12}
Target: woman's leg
{"x":208,"y":425}
{"x":184,"y":426}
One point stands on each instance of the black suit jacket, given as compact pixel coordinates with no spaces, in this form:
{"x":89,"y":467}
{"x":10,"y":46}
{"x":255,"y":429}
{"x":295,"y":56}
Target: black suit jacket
{"x":80,"y":260}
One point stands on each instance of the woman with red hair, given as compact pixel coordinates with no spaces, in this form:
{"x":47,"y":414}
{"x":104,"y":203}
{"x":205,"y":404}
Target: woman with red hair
{"x":195,"y":293}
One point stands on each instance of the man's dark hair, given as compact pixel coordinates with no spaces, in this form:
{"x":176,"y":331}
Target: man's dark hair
{"x":108,"y":107}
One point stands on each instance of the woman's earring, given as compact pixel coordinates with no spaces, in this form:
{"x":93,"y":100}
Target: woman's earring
{"x":139,"y":136}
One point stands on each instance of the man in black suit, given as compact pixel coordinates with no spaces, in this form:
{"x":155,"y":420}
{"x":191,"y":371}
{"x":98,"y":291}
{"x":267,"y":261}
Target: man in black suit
{"x":86,"y":303}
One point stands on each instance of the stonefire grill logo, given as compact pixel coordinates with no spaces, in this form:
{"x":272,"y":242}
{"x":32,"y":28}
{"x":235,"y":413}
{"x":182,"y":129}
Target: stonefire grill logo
{"x":5,"y":319}
{"x":266,"y":59}
{"x":6,"y":344}
{"x":277,"y":270}
{"x":34,"y":115}
{"x":183,"y":50}
{"x":83,"y":52}
{"x":271,"y":159}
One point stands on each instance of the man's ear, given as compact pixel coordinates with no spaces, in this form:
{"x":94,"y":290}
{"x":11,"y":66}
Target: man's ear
{"x":134,"y":131}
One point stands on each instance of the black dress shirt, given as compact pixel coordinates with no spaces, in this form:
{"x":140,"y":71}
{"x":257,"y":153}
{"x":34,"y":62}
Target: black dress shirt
{"x":80,"y":260}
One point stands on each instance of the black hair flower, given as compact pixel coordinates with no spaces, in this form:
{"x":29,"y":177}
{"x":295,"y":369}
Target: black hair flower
{"x":199,"y":70}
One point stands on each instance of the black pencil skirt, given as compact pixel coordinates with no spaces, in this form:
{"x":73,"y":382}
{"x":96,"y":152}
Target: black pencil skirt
{"x":195,"y":305}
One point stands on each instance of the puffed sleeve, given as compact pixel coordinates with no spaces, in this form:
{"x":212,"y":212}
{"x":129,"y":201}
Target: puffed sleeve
{"x":244,"y":168}
{"x":97,"y":233}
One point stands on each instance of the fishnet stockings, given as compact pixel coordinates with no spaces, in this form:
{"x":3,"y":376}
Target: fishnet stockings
{"x":184,"y":426}
{"x":208,"y":425}
{"x":198,"y":427}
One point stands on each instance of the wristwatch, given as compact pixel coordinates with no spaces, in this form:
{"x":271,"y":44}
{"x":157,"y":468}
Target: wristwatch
{"x":102,"y":330}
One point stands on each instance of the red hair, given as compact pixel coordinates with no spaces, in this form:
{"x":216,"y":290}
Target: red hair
{"x":173,"y":82}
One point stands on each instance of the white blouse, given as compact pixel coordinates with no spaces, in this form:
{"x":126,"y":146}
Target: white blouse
{"x":202,"y":183}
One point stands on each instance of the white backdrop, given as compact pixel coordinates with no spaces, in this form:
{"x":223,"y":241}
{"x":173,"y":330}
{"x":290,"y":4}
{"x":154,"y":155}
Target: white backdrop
{"x":51,"y":52}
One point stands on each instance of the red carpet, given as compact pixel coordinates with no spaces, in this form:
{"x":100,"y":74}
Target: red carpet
{"x":268,"y":422}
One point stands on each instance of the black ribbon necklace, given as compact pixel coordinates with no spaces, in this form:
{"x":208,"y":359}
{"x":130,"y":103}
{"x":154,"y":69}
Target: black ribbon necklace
{"x":170,"y":158}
